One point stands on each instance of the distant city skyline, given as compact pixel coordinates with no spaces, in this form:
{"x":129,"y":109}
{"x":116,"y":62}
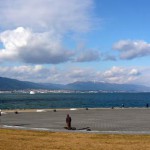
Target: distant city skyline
{"x":63,"y":41}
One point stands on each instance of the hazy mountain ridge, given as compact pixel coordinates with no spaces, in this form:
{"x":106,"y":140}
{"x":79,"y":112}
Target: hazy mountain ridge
{"x":13,"y":84}
{"x":107,"y":86}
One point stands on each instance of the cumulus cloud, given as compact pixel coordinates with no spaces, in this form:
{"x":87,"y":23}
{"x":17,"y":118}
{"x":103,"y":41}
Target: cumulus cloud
{"x":37,"y":73}
{"x":134,"y":72}
{"x":132,"y":49}
{"x":34,"y":30}
{"x":121,"y":75}
{"x":57,"y":15}
{"x":24,"y":45}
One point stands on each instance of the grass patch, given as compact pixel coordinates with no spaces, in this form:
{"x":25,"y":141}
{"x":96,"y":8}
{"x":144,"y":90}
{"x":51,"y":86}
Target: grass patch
{"x":40,"y":140}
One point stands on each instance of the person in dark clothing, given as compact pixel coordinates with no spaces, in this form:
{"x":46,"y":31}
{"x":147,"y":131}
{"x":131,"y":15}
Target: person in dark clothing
{"x":68,"y":122}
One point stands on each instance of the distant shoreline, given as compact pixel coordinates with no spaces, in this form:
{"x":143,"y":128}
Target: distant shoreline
{"x":70,"y":109}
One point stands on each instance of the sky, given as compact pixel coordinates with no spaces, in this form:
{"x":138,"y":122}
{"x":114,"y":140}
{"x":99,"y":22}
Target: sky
{"x":64,"y":41}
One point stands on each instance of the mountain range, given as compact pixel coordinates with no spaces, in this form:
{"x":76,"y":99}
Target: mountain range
{"x":7,"y":84}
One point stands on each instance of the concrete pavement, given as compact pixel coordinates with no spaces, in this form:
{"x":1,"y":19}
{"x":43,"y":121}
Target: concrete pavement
{"x":134,"y":121}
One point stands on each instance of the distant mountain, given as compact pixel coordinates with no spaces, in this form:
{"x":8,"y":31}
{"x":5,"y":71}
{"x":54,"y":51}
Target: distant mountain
{"x":12,"y":84}
{"x":97,"y":86}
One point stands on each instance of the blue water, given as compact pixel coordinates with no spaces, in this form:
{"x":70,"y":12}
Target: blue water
{"x":73,"y":100}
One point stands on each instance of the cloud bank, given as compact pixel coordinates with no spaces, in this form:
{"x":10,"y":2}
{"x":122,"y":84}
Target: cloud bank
{"x":57,"y":15}
{"x":53,"y":74}
{"x":132,"y":49}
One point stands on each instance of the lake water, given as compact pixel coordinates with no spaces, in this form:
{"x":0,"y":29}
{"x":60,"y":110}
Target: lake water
{"x":73,"y":100}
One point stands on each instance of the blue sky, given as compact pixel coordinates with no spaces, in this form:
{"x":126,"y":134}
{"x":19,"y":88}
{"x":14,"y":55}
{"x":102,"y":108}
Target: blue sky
{"x":66,"y":41}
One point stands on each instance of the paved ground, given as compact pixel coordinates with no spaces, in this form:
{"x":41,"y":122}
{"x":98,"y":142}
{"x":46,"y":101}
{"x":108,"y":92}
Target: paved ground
{"x":98,"y":120}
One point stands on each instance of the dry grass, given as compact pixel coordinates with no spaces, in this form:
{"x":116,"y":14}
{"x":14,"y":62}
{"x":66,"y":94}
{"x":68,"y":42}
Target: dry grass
{"x":36,"y":140}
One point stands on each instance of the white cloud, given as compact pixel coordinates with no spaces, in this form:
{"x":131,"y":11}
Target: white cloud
{"x":121,"y":75}
{"x":23,"y":45}
{"x":134,"y":72}
{"x":36,"y":29}
{"x":53,"y":74}
{"x":57,"y":15}
{"x":132,"y":49}
{"x":37,"y":73}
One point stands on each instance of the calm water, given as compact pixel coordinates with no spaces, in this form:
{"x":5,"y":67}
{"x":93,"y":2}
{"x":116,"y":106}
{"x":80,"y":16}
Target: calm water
{"x":83,"y":100}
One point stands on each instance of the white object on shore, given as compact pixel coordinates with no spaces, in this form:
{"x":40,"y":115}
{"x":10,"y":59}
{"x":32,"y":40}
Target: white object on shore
{"x":73,"y":108}
{"x":40,"y":110}
{"x":3,"y":112}
{"x":32,"y":92}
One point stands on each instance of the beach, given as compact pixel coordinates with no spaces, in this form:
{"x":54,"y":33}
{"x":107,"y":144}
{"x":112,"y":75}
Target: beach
{"x":99,"y":120}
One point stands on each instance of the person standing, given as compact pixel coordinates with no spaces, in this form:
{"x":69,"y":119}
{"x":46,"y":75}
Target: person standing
{"x":68,"y":122}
